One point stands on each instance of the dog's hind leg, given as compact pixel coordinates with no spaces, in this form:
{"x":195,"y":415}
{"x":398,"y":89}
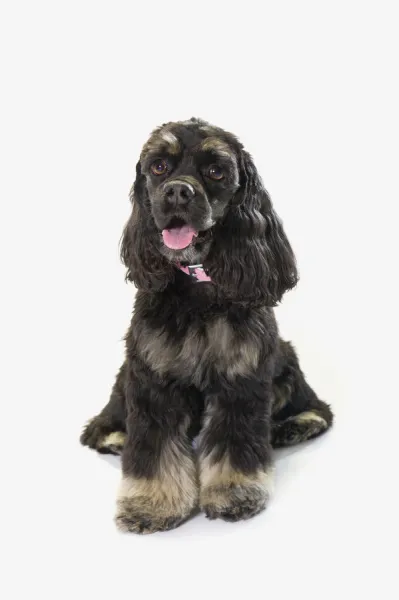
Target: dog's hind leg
{"x":106,"y":432}
{"x":298,"y":414}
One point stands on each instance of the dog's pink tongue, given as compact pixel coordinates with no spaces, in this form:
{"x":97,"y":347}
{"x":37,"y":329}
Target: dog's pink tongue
{"x":178,"y":237}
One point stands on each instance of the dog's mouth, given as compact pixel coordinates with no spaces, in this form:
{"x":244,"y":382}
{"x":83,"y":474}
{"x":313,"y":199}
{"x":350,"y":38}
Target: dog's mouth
{"x":178,"y":234}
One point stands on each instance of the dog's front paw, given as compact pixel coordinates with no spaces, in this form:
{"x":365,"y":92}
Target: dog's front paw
{"x":148,"y":506}
{"x":231,"y":495}
{"x":101,"y":434}
{"x":233,"y":502}
{"x":139,"y":515}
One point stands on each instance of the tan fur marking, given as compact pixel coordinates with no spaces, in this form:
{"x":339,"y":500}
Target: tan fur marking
{"x":161,"y":141}
{"x":298,"y":428}
{"x":116,"y":438}
{"x":310,"y":416}
{"x":173,"y":493}
{"x":216,"y":346}
{"x":172,"y":141}
{"x":156,"y":350}
{"x":217,"y":145}
{"x":232,"y":356}
{"x":282,"y":394}
{"x":222,"y":473}
{"x":222,"y":486}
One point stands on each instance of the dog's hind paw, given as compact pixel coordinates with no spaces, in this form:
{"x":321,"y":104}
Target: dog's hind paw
{"x":101,"y":435}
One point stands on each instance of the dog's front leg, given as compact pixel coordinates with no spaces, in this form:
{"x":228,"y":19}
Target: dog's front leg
{"x":159,"y":488}
{"x":234,"y":451}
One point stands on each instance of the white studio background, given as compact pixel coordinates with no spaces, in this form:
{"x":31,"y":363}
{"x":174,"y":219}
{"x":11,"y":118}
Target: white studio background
{"x":311,"y":88}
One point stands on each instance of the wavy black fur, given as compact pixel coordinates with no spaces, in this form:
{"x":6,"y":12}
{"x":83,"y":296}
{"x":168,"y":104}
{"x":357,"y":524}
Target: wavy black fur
{"x":203,"y":358}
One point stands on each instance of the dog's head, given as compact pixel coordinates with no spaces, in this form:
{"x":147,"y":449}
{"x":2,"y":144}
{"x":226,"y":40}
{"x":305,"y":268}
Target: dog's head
{"x":198,"y":198}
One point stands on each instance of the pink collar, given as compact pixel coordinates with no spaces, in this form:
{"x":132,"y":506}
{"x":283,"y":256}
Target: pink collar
{"x":196,"y":272}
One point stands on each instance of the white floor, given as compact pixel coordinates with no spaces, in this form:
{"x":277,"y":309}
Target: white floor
{"x":329,"y":530}
{"x":311,"y":88}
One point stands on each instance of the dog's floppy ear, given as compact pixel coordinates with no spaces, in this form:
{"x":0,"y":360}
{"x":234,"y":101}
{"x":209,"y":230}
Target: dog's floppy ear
{"x":251,"y":258}
{"x":146,"y":267}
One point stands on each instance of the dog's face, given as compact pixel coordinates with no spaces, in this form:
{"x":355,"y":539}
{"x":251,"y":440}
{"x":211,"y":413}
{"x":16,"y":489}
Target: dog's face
{"x":198,"y":198}
{"x":192,"y":174}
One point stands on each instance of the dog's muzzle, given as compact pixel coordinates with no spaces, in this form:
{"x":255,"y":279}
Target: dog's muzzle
{"x":178,"y":194}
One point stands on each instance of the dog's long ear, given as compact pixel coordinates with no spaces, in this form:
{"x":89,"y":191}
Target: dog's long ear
{"x":146,"y":267}
{"x":251,"y":258}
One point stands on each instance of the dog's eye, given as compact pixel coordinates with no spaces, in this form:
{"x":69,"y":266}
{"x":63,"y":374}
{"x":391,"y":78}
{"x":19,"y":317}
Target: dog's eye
{"x":159,"y":167}
{"x":215,"y":172}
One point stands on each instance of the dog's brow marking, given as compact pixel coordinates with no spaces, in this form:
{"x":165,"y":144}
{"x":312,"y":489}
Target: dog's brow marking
{"x":219,"y":146}
{"x":171,"y":139}
{"x":161,"y":141}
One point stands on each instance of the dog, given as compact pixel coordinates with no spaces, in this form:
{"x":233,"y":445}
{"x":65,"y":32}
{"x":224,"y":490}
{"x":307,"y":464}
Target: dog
{"x":204,"y":361}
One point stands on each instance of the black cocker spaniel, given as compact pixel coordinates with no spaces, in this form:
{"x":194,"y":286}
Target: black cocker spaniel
{"x":210,"y":260}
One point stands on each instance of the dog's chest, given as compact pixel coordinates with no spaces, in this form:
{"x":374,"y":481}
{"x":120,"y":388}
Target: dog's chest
{"x":215,"y":346}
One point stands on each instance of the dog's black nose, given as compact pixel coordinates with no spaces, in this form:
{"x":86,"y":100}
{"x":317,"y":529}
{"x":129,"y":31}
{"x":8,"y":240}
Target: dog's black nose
{"x":178,"y":193}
